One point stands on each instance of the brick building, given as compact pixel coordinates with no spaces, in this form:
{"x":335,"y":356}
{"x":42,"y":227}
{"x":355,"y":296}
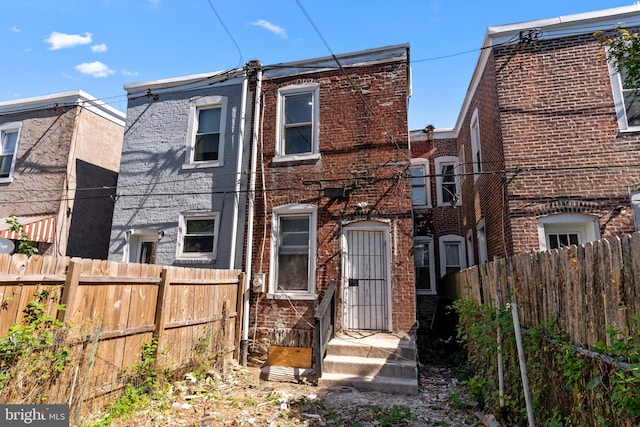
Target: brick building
{"x":545,"y":149}
{"x":331,"y":201}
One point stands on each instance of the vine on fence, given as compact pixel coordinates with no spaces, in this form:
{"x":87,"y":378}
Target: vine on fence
{"x":33,"y":352}
{"x":568,"y":387}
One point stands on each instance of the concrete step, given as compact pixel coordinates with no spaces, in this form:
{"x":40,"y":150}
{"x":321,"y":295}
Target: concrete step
{"x":370,"y":383}
{"x":368,"y":366}
{"x":378,"y":346}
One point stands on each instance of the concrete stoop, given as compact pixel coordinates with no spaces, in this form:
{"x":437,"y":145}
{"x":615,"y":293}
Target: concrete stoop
{"x":380,"y":362}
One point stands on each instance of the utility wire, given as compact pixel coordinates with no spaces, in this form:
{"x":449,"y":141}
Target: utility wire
{"x":228,"y":32}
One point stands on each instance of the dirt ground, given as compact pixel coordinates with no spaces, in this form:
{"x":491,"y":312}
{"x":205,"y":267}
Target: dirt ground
{"x":242,"y":399}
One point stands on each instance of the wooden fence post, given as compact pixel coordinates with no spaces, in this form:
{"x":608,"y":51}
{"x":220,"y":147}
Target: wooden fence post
{"x":239,"y":314}
{"x":159,"y":319}
{"x":69,"y":291}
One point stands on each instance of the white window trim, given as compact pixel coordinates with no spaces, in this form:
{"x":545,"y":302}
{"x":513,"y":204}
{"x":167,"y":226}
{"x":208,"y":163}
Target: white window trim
{"x":292,"y":210}
{"x":182,"y":230}
{"x":11,"y":127}
{"x":443,"y":262}
{"x":585,"y":225}
{"x":315,"y":132}
{"x":215,"y":101}
{"x":463,"y":164}
{"x":618,"y":100}
{"x":483,"y":253}
{"x":424,"y":164}
{"x":447,"y":160}
{"x":432,"y":266}
{"x":469,"y":243}
{"x":476,"y":145}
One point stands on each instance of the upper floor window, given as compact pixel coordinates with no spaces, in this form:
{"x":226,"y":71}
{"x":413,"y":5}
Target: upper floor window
{"x":205,"y":143}
{"x":483,"y":253}
{"x":447,"y":182}
{"x":9,"y":136}
{"x":451,"y":254}
{"x":198,"y":236}
{"x":420,"y":194}
{"x":293,"y":251}
{"x":476,"y":147}
{"x":423,"y":260}
{"x":298,"y":122}
{"x":626,"y":99}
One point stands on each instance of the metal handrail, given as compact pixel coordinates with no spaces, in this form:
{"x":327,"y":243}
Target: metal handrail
{"x":325,"y":324}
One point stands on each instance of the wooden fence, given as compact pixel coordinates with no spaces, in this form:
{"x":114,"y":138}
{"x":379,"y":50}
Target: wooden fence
{"x":117,"y":307}
{"x":587,"y":289}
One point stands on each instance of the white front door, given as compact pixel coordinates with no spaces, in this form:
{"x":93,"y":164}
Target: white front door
{"x":366,"y":277}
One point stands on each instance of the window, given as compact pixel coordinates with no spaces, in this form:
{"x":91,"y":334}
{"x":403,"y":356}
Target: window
{"x":451,"y":254}
{"x":141,"y":247}
{"x":470,"y":255}
{"x":476,"y":147}
{"x":293,"y":251}
{"x":423,"y":260}
{"x":447,"y":183}
{"x":9,"y":136}
{"x":557,"y":231}
{"x":197,"y":236}
{"x":298,"y":122}
{"x":482,"y":242}
{"x":420,"y":194}
{"x":205,"y":145}
{"x":463,"y":164}
{"x":627,"y":101}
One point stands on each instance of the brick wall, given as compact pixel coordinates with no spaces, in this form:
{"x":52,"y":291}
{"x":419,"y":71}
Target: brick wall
{"x":359,"y":149}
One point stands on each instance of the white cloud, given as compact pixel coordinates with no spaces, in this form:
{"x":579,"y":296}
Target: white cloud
{"x":61,"y":40}
{"x":13,"y":29}
{"x":154,"y":3}
{"x":129,"y":73}
{"x":99,"y":48}
{"x":275,"y":29}
{"x":95,"y":69}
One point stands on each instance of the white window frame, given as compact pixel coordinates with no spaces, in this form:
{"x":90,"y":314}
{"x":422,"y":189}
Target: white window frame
{"x":293,"y":210}
{"x":298,"y":89}
{"x":469,"y":243}
{"x":424,"y":240}
{"x":425,"y":184}
{"x":481,"y":230}
{"x":451,"y":238}
{"x":476,"y":145}
{"x":447,"y":161}
{"x":182,"y":233}
{"x":203,"y":103}
{"x":586,"y":226}
{"x":617,"y":88}
{"x":134,"y":239}
{"x":462,"y":164}
{"x":10,"y":128}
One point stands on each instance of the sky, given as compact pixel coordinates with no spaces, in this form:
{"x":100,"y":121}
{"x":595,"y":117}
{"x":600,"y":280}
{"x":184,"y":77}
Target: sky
{"x":51,"y":46}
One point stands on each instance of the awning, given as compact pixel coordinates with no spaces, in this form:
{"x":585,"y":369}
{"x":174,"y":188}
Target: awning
{"x":40,"y":228}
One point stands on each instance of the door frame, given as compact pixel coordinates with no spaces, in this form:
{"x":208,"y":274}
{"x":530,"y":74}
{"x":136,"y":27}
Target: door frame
{"x":367,"y":225}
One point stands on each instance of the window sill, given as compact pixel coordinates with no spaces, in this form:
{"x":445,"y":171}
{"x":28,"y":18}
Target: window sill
{"x":202,"y":165}
{"x":195,"y":260}
{"x":6,"y":180}
{"x":292,"y":296}
{"x":426,"y":293}
{"x":419,"y":207}
{"x":296,"y":158}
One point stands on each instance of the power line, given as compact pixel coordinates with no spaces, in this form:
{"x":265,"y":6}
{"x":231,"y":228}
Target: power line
{"x":228,"y":32}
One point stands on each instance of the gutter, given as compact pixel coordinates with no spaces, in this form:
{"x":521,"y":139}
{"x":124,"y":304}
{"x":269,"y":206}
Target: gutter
{"x":240,"y":150}
{"x":250,"y":215}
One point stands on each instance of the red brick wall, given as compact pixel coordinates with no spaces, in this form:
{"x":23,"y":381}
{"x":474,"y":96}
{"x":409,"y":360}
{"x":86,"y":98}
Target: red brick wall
{"x":559,"y":125}
{"x":358,"y":148}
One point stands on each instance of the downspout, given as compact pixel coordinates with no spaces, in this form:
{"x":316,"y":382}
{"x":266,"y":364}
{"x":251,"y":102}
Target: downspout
{"x":250,"y":213}
{"x":236,"y":197}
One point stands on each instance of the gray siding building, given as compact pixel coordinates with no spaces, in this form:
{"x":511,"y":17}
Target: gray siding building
{"x":182,"y":184}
